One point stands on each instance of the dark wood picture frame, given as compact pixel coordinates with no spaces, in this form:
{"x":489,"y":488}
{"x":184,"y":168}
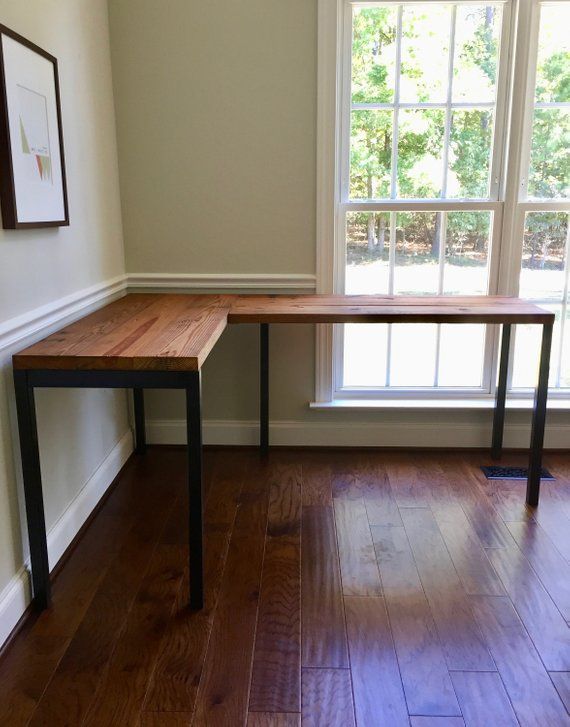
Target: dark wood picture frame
{"x":7,"y":183}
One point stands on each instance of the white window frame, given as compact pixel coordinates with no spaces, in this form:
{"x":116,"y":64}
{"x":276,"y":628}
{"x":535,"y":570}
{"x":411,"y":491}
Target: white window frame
{"x":508,"y":204}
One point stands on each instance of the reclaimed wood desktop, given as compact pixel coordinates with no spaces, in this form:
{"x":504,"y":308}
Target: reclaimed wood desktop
{"x":162,"y":340}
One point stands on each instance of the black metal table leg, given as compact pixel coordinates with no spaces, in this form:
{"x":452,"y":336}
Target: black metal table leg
{"x":194,"y":430}
{"x":499,"y":414}
{"x":25,"y":405}
{"x":264,"y":387}
{"x":140,"y":429}
{"x":539,"y":419}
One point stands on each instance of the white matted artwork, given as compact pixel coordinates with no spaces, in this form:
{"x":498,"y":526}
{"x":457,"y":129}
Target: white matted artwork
{"x":32,"y":184}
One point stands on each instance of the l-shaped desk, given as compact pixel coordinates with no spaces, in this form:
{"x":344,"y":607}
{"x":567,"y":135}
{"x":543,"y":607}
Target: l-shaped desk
{"x":160,"y":341}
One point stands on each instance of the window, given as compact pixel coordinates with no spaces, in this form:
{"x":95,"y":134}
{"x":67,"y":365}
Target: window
{"x":447,"y":181}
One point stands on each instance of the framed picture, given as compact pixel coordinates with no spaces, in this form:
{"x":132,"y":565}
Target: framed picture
{"x":33,"y":191}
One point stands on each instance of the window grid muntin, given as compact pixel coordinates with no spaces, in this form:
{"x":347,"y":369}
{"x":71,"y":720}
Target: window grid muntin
{"x":396,"y":204}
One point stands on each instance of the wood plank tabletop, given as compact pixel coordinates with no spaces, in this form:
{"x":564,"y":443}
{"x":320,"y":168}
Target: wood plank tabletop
{"x":164,"y":332}
{"x":385,"y":309}
{"x":176,"y":332}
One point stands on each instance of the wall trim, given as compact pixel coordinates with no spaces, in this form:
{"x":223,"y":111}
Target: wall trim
{"x":355,"y":434}
{"x":46,"y":317}
{"x":222,"y":281}
{"x":16,"y":596}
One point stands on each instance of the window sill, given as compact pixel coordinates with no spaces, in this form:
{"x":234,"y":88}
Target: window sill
{"x":436,"y":404}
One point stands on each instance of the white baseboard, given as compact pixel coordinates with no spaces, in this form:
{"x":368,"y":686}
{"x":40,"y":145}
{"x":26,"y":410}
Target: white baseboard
{"x":354,"y":434}
{"x":15,"y":597}
{"x":223,"y":281}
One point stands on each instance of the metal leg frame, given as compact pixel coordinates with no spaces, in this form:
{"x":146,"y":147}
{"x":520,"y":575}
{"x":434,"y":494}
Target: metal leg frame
{"x":499,"y":414}
{"x":539,"y":419}
{"x":264,"y":387}
{"x":26,"y":410}
{"x":140,"y":429}
{"x":26,"y":381}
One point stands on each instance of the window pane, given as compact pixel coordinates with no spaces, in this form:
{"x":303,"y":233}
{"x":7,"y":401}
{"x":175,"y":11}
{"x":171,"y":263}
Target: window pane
{"x":527,"y":353}
{"x":477,"y":34}
{"x":417,"y":253}
{"x":461,"y":355}
{"x":544,"y":256}
{"x":420,"y":153}
{"x":543,"y":276}
{"x":370,"y":154}
{"x":425,"y":50}
{"x":373,"y":54}
{"x":549,"y":174}
{"x":553,"y":68}
{"x":412,"y":360}
{"x":467,"y":253}
{"x":367,"y":253}
{"x":471,"y":137}
{"x":365,"y":352}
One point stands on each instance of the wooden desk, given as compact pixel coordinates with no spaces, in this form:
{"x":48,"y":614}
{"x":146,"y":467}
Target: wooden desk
{"x":162,"y":341}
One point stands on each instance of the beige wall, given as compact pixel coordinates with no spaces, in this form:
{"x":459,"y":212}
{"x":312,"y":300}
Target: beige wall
{"x":77,"y":429}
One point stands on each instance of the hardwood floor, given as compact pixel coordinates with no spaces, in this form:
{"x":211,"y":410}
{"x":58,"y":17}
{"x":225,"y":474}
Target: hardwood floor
{"x":342,"y":588}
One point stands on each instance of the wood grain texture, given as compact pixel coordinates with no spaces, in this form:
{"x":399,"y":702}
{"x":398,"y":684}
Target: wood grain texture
{"x":532,"y":694}
{"x":543,"y":621}
{"x":72,"y":688}
{"x":119,"y":645}
{"x":437,"y":722}
{"x":561,"y":681}
{"x":327,"y":698}
{"x":426,"y":680}
{"x":358,"y":567}
{"x":223,"y":689}
{"x":473,"y":567}
{"x":273,"y":719}
{"x":276,"y":677}
{"x":461,"y":639}
{"x":183,"y":647}
{"x":384,"y":309}
{"x":149,"y":332}
{"x":550,"y":566}
{"x":483,"y":699}
{"x":322,"y":611}
{"x":378,"y":694}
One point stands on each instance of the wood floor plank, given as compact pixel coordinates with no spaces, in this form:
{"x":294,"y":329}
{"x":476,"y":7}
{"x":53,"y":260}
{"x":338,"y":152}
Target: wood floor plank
{"x":381,"y":506}
{"x":489,"y":526}
{"x":120,"y":697}
{"x":550,"y":566}
{"x":276,"y":677}
{"x":183,"y":647}
{"x":72,"y":689}
{"x":316,"y":472}
{"x":476,"y":573}
{"x":405,"y":479}
{"x":556,"y":521}
{"x":327,"y":698}
{"x":532,"y":694}
{"x":378,"y":693}
{"x":273,"y":719}
{"x":459,"y":635}
{"x":437,"y":722}
{"x":548,"y":630}
{"x":426,"y":679}
{"x":358,"y":567}
{"x":483,"y":699}
{"x":223,"y":689}
{"x":561,"y":681}
{"x":323,"y":640}
{"x":166,"y":719}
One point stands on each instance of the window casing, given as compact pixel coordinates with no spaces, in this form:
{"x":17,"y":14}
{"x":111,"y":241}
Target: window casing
{"x":359,"y":362}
